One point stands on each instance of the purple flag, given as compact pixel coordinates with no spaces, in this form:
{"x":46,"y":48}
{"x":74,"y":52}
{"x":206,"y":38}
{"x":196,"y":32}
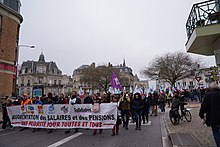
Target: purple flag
{"x":114,"y":82}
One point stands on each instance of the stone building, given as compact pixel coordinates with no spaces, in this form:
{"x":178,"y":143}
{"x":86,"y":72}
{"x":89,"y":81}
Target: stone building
{"x":10,"y":20}
{"x":122,"y":68}
{"x":40,"y":77}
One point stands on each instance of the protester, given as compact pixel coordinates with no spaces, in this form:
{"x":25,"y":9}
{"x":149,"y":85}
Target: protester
{"x":36,"y":101}
{"x":146,"y":107}
{"x":49,"y":100}
{"x":131,"y":109}
{"x":115,"y":129}
{"x":137,"y":105}
{"x":169,"y":97}
{"x":25,"y":101}
{"x":124,"y":104}
{"x":186,"y":95}
{"x":88,"y":99}
{"x":44,"y":99}
{"x":6,"y":119}
{"x":154,"y":103}
{"x":72,"y":101}
{"x":97,"y":100}
{"x":61,"y":99}
{"x":210,"y":109}
{"x":176,"y":102}
{"x":162,"y":102}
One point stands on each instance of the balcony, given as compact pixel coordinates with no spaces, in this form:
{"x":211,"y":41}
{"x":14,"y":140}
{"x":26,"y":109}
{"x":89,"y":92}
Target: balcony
{"x":203,"y":28}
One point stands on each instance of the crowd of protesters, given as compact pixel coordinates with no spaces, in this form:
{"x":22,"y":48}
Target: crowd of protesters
{"x":134,"y":108}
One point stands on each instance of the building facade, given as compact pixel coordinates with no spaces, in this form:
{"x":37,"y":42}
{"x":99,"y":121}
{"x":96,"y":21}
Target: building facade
{"x":125,"y":71}
{"x":40,"y":77}
{"x":10,"y":20}
{"x":200,"y":78}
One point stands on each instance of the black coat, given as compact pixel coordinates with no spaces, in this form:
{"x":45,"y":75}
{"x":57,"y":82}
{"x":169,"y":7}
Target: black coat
{"x":88,"y":100}
{"x":137,"y":105}
{"x":211,"y":107}
{"x":146,"y":102}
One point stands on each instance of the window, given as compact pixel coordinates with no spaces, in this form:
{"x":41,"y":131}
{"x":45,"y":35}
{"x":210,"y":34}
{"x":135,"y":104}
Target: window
{"x":22,"y":91}
{"x":22,"y":82}
{"x":29,"y":91}
{"x":191,"y":83}
{"x":41,"y":69}
{"x":28,"y":83}
{"x":184,"y":83}
{"x":41,"y":81}
{"x":55,"y":82}
{"x":26,"y":70}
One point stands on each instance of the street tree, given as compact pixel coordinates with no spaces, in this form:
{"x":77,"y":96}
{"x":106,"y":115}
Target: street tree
{"x":171,"y":67}
{"x":99,"y":77}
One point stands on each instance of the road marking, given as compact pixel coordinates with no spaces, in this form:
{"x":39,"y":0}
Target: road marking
{"x":8,"y":133}
{"x":65,"y":140}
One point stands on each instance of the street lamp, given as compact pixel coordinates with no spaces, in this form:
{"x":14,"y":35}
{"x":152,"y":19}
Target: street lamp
{"x":18,"y":47}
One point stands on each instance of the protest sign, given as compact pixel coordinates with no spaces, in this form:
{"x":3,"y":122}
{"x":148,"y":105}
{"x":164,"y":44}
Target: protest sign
{"x":63,"y":116}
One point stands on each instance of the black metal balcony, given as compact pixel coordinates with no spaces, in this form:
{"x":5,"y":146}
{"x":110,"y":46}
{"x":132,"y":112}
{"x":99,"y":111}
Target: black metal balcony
{"x":202,"y":14}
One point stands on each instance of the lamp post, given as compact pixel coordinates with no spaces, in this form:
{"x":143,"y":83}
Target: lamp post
{"x":18,"y":49}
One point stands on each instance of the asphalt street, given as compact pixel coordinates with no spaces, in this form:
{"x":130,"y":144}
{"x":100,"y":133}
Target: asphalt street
{"x":151,"y":135}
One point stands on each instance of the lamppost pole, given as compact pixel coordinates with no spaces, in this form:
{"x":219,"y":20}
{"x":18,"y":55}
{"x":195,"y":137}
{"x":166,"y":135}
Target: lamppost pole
{"x":18,"y":49}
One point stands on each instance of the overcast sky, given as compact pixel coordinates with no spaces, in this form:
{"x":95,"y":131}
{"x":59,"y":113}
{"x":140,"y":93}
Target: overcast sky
{"x":77,"y":32}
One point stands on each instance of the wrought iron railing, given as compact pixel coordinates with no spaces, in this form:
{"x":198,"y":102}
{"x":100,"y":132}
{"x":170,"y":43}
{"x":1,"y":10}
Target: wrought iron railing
{"x":202,"y":14}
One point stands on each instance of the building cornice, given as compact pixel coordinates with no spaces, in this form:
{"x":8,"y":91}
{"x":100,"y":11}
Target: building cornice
{"x":11,"y":11}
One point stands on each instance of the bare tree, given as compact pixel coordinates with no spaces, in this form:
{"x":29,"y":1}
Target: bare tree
{"x":171,"y":67}
{"x":99,"y":77}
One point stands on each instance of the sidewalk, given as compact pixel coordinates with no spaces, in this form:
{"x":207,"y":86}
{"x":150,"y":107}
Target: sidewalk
{"x":201,"y":132}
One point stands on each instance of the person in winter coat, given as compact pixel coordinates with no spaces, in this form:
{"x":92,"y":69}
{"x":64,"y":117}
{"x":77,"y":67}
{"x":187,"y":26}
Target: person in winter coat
{"x":146,"y":107}
{"x":73,"y":101}
{"x":61,"y":99}
{"x":162,"y":102}
{"x":6,"y":119}
{"x":124,"y":104}
{"x":137,"y":105}
{"x":49,"y":100}
{"x":88,"y":99}
{"x":154,"y":103}
{"x":210,"y":109}
{"x":115,"y":129}
{"x":97,"y":100}
{"x":25,"y":101}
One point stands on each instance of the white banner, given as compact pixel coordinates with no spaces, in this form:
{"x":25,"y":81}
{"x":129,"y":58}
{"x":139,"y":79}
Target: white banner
{"x":95,"y":116}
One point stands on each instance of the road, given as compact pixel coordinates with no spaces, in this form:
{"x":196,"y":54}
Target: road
{"x":151,"y":135}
